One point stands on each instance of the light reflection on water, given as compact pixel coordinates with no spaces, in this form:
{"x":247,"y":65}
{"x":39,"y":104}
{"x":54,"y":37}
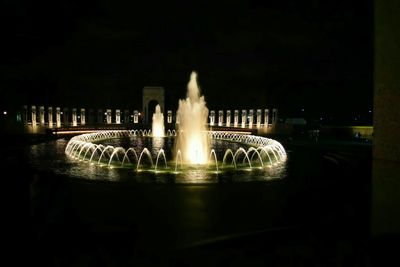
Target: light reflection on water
{"x":50,"y":156}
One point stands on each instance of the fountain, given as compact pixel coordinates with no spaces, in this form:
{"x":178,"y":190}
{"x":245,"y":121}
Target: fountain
{"x":191,"y":150}
{"x":193,"y":141}
{"x":251,"y":152}
{"x":158,"y":123}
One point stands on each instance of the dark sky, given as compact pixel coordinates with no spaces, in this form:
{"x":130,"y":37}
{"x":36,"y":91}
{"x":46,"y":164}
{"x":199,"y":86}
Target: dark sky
{"x":249,"y":54}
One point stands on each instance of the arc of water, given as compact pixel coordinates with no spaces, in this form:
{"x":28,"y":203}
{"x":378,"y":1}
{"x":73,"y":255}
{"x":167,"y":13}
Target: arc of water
{"x":98,"y":148}
{"x":178,"y":156}
{"x":87,"y":146}
{"x":78,"y":151}
{"x":281,"y":151}
{"x":215,"y":158}
{"x":273,"y":152}
{"x":242,"y":150}
{"x":115,"y":151}
{"x":90,"y":147}
{"x":161,"y":152}
{"x":104,"y":150}
{"x":126,"y":155}
{"x":264,"y":149}
{"x":252,"y":149}
{"x":229,"y":152}
{"x":147,"y":152}
{"x":67,"y":148}
{"x":74,"y":145}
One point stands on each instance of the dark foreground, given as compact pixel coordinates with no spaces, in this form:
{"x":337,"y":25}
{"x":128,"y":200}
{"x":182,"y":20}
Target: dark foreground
{"x":317,"y":216}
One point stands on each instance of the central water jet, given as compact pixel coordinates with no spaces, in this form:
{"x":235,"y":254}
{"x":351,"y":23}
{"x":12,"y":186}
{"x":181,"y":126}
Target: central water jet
{"x":193,"y":141}
{"x":158,"y":123}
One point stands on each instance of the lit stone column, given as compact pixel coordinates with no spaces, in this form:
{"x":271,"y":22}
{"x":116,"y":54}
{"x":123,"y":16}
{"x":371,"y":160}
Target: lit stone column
{"x":244,"y":117}
{"x":266,"y":117}
{"x":50,"y":116}
{"x":251,"y":115}
{"x":220,"y":117}
{"x":258,"y":118}
{"x":212,"y":118}
{"x":66,"y":117}
{"x":274,"y":115}
{"x":41,"y":115}
{"x":169,"y":116}
{"x":117,"y":116}
{"x":228,"y":118}
{"x":83,"y":116}
{"x":74,"y":117}
{"x":108,"y":118}
{"x":33,"y":113}
{"x":135,"y":116}
{"x":236,"y":118}
{"x":58,"y":117}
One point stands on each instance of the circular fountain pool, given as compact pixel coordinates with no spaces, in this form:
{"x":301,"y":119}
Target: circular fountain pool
{"x":139,"y":157}
{"x":235,"y":158}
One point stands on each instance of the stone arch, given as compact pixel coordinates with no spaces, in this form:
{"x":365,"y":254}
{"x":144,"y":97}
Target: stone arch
{"x":151,"y":94}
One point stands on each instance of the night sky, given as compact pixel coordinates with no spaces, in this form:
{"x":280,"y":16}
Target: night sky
{"x":307,"y":54}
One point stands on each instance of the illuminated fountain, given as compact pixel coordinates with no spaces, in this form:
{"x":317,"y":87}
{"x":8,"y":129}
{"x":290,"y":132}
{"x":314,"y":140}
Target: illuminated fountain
{"x":192,"y":150}
{"x":193,"y":142}
{"x":158,"y":123}
{"x":261,"y":152}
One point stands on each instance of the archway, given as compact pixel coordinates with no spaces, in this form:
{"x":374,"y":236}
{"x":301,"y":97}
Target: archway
{"x":152,"y":95}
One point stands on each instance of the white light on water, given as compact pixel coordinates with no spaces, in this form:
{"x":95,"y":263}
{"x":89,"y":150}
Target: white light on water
{"x":158,"y":123}
{"x":193,"y":140}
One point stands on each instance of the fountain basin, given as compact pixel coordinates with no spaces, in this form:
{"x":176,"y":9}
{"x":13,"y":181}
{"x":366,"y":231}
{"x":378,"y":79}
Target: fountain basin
{"x":239,"y":151}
